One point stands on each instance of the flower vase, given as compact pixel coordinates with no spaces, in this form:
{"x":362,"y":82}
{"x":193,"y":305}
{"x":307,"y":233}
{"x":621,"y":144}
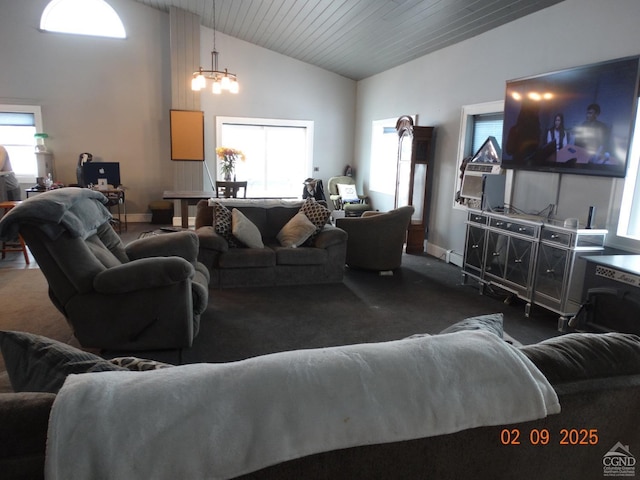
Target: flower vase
{"x":227,"y":177}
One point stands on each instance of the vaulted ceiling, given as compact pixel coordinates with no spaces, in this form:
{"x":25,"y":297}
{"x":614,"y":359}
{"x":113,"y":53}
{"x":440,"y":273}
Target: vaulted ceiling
{"x":355,"y":38}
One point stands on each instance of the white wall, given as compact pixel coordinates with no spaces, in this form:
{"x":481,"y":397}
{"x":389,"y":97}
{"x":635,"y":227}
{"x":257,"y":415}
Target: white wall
{"x":572,"y":33}
{"x":112,"y":97}
{"x":276,"y":86}
{"x":105,"y":96}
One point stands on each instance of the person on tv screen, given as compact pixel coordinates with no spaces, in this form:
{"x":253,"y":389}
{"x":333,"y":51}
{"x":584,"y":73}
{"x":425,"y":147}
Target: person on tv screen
{"x":593,"y":136}
{"x":523,"y":139}
{"x":557,"y":132}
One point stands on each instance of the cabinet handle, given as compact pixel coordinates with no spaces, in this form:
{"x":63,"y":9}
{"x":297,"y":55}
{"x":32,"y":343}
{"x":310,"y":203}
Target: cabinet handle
{"x":496,"y":254}
{"x":550,"y":270}
{"x":499,"y":224}
{"x":522,"y":229}
{"x":553,"y":235}
{"x":475,"y":246}
{"x":517,"y":260}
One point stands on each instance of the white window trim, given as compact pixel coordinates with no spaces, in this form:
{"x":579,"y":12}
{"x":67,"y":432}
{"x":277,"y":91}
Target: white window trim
{"x":37,"y":116}
{"x":464,"y":137}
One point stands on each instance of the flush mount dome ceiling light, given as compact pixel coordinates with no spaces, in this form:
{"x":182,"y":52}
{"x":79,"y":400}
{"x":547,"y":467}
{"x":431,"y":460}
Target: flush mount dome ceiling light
{"x":83,"y":17}
{"x":221,"y":80}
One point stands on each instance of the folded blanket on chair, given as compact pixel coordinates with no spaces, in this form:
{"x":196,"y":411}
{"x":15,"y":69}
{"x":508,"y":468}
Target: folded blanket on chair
{"x":75,"y":210}
{"x":222,"y":420}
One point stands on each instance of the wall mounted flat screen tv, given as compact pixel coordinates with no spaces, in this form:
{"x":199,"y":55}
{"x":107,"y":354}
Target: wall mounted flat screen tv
{"x":578,"y":120}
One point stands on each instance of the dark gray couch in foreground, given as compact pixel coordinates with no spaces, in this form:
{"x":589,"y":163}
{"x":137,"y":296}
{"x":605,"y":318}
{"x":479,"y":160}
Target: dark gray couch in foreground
{"x":320,"y":261}
{"x":597,"y":380}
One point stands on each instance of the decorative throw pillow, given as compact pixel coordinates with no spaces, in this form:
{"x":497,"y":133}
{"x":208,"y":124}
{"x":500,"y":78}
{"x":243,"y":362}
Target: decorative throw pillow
{"x":348,"y":192}
{"x":39,"y":364}
{"x":296,"y":231}
{"x":581,"y":356}
{"x":317,"y":213}
{"x":245,"y":230}
{"x":138,"y":364}
{"x":492,"y":322}
{"x":222,"y":223}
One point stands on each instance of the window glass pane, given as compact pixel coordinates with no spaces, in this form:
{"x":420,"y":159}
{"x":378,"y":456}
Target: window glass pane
{"x":629,"y":219}
{"x":276,"y":163}
{"x":23,"y":159}
{"x":17,"y":136}
{"x":384,"y":156}
{"x":484,"y":126}
{"x":18,"y":125}
{"x":17,"y":118}
{"x":84,"y":17}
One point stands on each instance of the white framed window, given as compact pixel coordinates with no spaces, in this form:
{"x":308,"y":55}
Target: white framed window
{"x":626,"y":193}
{"x":82,"y":17}
{"x":18,"y":125}
{"x":477,"y":123}
{"x":278,"y":153}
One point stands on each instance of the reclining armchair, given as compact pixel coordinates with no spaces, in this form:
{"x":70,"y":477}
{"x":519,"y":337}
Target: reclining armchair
{"x":343,"y":194}
{"x":375,"y":240}
{"x":147,"y":295}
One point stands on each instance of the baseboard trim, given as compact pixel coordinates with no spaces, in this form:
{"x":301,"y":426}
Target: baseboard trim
{"x":444,"y":254}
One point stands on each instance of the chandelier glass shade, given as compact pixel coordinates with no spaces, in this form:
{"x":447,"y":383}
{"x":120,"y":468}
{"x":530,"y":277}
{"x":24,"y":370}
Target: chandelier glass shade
{"x":220,"y":80}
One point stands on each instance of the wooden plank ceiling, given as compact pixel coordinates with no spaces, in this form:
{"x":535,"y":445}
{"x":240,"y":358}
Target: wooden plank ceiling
{"x":355,"y":38}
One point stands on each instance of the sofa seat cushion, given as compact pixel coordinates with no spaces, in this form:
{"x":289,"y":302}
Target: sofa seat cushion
{"x":300,"y":256}
{"x":247,"y":258}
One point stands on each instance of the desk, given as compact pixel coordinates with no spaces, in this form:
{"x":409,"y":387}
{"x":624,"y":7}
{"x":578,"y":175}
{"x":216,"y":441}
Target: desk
{"x":186,"y":197}
{"x":116,"y":198}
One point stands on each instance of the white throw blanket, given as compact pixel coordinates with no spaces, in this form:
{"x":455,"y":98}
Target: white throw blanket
{"x":206,"y":421}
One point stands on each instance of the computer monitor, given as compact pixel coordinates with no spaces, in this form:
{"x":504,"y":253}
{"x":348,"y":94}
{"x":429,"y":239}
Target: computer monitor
{"x":95,"y":173}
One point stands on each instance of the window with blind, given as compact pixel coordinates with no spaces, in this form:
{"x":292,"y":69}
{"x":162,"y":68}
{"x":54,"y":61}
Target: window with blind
{"x":477,"y":123}
{"x":485,"y":126}
{"x":18,"y":125}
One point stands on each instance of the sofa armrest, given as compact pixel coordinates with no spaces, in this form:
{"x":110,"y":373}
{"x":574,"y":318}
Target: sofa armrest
{"x":143,"y":274}
{"x":211,"y":240}
{"x":178,"y":244}
{"x":23,"y":436}
{"x":330,"y":236}
{"x":204,"y":214}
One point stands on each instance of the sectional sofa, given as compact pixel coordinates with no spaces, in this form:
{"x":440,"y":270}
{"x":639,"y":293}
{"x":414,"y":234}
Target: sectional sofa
{"x":313,"y":251}
{"x":596,"y":378}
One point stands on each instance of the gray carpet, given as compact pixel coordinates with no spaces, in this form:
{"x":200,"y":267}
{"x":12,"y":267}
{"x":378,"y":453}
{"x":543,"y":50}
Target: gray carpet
{"x":424,"y":296}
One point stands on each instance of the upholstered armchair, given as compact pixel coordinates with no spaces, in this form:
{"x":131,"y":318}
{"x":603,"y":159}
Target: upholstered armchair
{"x":344,"y":196}
{"x":375,"y":240}
{"x":147,"y":295}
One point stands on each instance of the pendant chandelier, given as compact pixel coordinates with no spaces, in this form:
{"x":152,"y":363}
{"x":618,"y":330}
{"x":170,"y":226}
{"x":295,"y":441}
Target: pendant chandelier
{"x":221,"y":80}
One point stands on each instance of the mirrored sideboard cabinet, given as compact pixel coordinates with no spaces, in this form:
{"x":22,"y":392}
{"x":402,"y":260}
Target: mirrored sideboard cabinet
{"x":538,"y":260}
